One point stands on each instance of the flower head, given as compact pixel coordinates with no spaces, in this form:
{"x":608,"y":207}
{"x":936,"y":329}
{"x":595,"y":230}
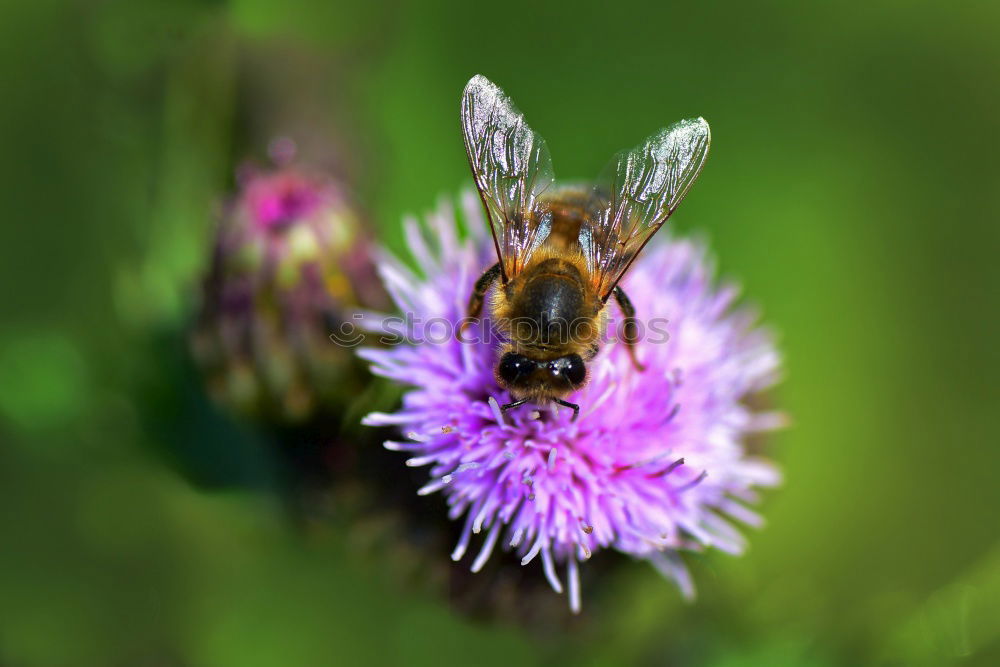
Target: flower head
{"x":656,"y":462}
{"x":290,"y":264}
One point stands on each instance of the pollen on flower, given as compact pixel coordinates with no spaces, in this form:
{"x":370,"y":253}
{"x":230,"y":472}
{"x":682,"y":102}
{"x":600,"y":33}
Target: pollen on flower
{"x":634,"y":473}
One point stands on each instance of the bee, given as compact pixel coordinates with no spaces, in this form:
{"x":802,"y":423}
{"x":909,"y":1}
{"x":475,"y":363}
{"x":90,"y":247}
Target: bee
{"x":562,"y":251}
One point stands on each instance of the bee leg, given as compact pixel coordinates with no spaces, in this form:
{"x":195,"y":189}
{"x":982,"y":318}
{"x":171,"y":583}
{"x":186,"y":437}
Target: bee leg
{"x":631,"y":326}
{"x":482,"y":286}
{"x":513,"y":404}
{"x":567,"y":404}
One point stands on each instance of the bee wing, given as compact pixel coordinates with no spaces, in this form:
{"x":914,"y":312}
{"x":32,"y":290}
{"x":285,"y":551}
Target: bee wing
{"x":512,"y":168}
{"x":635,"y":195}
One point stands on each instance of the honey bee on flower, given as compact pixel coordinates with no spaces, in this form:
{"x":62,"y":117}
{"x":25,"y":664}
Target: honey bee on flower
{"x":655,"y":462}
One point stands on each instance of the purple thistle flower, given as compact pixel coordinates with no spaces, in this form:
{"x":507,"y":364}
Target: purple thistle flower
{"x":654,"y":464}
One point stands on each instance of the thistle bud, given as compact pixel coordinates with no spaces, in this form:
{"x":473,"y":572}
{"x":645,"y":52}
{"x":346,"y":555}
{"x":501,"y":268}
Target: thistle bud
{"x":290,"y":265}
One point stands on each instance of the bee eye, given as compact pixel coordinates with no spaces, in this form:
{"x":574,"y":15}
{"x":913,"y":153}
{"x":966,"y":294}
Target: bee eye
{"x":513,"y":367}
{"x":570,"y":367}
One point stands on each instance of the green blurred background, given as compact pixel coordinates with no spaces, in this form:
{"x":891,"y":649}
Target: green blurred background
{"x":852,"y":189}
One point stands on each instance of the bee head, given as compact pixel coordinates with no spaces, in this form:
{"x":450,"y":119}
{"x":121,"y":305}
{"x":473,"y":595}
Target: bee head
{"x":517,"y":371}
